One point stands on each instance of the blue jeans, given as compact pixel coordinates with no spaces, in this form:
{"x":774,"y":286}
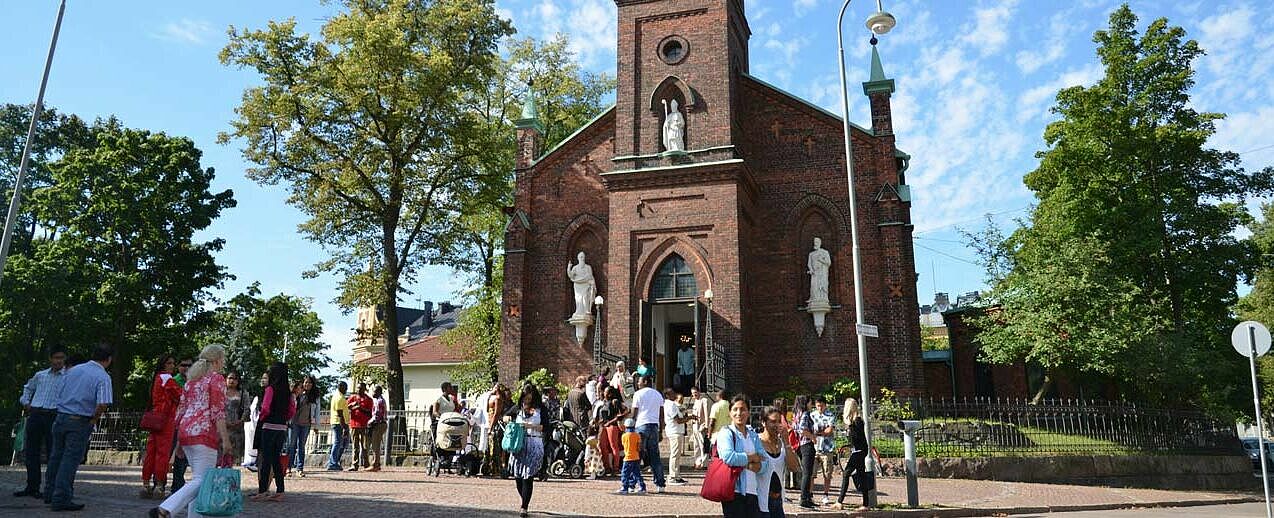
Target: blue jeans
{"x":630,"y":476}
{"x":298,"y":434}
{"x":340,"y":440}
{"x":70,"y":444}
{"x":650,"y":452}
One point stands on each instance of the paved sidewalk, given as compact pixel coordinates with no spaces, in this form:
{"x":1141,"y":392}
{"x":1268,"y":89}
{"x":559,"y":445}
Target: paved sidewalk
{"x":111,"y":491}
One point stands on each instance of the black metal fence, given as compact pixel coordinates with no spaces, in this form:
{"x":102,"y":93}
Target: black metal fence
{"x":998,"y":426}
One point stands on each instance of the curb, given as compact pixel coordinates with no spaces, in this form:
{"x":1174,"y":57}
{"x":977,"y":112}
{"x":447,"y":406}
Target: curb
{"x":965,"y":512}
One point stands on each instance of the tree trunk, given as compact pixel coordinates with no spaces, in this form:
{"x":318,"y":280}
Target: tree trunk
{"x":389,"y":318}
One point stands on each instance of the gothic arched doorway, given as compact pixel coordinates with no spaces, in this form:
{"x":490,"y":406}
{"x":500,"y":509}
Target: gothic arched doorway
{"x":671,"y":325}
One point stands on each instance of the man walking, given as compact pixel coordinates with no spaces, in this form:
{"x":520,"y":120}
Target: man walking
{"x":377,"y":426}
{"x":577,"y":403}
{"x":647,"y":406}
{"x":86,"y":391}
{"x":39,"y":400}
{"x":675,"y":428}
{"x":685,"y":367}
{"x":339,"y":418}
{"x":699,"y":428}
{"x":360,"y":413}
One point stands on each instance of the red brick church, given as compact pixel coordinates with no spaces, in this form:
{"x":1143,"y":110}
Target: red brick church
{"x":704,"y":179}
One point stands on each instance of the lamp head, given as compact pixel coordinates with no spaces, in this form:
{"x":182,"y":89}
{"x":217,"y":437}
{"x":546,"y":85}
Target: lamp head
{"x":598,"y":300}
{"x":881,"y":22}
{"x":707,"y":295}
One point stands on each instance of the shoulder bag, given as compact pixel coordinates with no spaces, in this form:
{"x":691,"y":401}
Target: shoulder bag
{"x":720,"y":480}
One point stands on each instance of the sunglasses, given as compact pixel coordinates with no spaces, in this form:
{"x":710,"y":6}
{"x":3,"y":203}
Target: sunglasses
{"x":186,"y":365}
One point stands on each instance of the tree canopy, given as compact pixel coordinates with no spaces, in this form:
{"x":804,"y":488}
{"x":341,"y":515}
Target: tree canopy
{"x":1128,"y":264}
{"x":365,"y":125}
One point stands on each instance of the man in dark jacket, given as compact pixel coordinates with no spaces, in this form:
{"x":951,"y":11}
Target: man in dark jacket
{"x":577,"y":403}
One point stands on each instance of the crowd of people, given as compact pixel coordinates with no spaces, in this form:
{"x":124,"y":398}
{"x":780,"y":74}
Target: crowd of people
{"x":198,"y":419}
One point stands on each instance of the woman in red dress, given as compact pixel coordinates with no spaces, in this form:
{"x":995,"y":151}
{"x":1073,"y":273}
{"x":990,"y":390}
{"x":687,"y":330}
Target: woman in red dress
{"x":164,"y":396}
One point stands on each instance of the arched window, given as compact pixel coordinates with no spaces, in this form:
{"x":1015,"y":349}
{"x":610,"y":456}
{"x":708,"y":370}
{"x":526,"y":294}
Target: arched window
{"x":674,"y":280}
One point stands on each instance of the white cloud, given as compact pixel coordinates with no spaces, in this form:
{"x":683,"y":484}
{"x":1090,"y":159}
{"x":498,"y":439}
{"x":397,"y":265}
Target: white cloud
{"x":195,"y":32}
{"x":1034,"y":102}
{"x":803,"y":6}
{"x":591,"y":25}
{"x":989,"y":32}
{"x":1247,"y":132}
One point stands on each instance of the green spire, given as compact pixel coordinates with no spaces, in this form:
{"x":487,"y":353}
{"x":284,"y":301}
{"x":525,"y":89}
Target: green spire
{"x":878,"y":81}
{"x":530,"y":114}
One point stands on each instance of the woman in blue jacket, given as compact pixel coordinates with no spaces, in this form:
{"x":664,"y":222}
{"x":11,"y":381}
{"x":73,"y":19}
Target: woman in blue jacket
{"x":739,"y":446}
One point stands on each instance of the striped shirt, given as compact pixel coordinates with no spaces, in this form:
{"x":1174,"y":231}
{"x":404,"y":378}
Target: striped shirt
{"x":86,"y":386}
{"x":41,"y":391}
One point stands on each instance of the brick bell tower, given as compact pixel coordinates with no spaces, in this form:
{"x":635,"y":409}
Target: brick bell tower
{"x":688,"y":50}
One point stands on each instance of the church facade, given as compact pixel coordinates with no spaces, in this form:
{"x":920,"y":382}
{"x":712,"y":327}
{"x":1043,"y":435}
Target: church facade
{"x":691,"y":208}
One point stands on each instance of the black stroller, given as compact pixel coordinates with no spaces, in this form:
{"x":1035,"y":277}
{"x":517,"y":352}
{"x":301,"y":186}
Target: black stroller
{"x":566,"y":460}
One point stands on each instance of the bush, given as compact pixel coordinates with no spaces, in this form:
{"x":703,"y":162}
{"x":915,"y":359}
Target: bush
{"x":541,"y":379}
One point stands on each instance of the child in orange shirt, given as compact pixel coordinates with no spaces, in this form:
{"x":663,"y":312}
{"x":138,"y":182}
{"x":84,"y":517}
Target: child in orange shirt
{"x":630,"y":474}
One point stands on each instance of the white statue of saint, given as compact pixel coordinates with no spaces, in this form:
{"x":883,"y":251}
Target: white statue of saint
{"x":674,"y":127}
{"x":819,"y":263}
{"x":581,"y":275}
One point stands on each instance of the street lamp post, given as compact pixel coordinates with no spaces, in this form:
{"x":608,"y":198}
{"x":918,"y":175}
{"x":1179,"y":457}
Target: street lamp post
{"x":879,"y":23}
{"x":710,"y":358}
{"x":597,"y":332}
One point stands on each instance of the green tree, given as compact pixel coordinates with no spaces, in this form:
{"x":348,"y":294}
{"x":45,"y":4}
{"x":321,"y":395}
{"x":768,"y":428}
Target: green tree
{"x":366,"y":127}
{"x":258,"y":331}
{"x":1129,"y":263}
{"x":1258,"y":304}
{"x":123,"y":215}
{"x":567,"y":98}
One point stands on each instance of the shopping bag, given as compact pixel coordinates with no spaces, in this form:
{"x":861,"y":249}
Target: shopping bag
{"x":514,"y":438}
{"x":720,"y":480}
{"x":19,"y":435}
{"x":219,"y":493}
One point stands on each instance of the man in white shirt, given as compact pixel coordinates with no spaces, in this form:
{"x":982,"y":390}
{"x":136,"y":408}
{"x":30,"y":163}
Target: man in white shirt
{"x":39,"y":400}
{"x":699,"y":427}
{"x":675,"y":428}
{"x":647,"y":406}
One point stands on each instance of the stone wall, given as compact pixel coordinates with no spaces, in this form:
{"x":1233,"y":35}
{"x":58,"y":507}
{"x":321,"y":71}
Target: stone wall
{"x":1145,"y":471}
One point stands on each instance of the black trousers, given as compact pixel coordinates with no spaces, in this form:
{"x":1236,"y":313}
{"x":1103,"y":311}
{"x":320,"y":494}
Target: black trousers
{"x":743,"y":506}
{"x":856,"y":468}
{"x":526,"y":486}
{"x":38,"y":440}
{"x":180,"y":465}
{"x":806,"y":452}
{"x":269,"y":462}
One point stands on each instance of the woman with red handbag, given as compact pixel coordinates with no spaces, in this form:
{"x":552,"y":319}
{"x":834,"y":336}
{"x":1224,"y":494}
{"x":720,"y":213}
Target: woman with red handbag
{"x":164,"y":396}
{"x":738,"y":459}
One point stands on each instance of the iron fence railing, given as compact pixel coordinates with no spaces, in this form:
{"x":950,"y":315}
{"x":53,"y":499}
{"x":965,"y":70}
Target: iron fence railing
{"x":949,"y":428}
{"x":976,"y":427}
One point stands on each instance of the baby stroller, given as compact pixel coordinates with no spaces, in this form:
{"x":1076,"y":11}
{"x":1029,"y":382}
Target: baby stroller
{"x":567,"y":458}
{"x":451,"y":437}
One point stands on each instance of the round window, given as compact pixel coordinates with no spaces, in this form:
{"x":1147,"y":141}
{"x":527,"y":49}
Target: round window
{"x":673,"y":49}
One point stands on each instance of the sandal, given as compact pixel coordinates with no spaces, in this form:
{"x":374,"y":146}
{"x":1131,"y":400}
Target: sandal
{"x":259,"y":497}
{"x":276,"y":497}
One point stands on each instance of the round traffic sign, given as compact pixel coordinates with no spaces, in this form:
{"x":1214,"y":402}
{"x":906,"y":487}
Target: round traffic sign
{"x":1243,"y":334}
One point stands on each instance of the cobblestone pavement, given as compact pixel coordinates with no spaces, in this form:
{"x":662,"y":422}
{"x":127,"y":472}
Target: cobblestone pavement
{"x":1248,"y":510}
{"x":402,"y":492}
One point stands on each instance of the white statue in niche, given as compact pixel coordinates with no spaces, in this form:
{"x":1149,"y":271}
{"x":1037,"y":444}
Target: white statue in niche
{"x":581,"y":275}
{"x":674,"y":128}
{"x":818,"y":265}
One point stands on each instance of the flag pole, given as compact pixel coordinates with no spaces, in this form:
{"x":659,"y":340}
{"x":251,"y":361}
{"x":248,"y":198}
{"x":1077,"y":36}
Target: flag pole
{"x":12,"y":218}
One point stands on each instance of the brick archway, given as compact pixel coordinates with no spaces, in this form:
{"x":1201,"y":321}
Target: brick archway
{"x":694,"y":255}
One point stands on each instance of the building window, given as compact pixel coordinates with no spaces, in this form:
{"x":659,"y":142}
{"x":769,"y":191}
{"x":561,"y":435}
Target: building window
{"x":674,"y":280}
{"x":673,"y":50}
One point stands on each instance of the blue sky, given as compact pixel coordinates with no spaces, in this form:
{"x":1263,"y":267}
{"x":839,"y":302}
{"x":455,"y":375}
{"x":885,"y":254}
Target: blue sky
{"x":975,"y":81}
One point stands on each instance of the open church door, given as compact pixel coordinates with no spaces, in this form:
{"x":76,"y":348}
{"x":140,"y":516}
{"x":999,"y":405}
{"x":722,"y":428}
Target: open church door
{"x":646,"y":335}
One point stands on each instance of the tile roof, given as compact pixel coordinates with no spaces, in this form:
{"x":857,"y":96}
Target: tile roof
{"x":428,"y":349}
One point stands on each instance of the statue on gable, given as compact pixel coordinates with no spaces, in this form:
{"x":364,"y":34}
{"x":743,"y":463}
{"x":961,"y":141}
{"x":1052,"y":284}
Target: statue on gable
{"x":674,"y":128}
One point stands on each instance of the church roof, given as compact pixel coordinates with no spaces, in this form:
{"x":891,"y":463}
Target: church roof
{"x":572,"y":136}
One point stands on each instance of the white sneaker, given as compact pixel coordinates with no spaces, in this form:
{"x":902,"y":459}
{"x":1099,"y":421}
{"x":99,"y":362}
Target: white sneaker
{"x":659,"y":490}
{"x":826,"y":500}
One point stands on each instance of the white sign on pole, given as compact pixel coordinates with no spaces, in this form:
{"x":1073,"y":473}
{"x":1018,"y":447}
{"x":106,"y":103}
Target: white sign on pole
{"x":1251,"y":339}
{"x":874,"y":332}
{"x":1242,"y":335}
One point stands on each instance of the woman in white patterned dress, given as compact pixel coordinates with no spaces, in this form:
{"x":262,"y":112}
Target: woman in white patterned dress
{"x":525,"y":465}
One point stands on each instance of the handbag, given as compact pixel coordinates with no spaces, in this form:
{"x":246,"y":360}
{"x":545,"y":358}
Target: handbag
{"x":720,"y":480}
{"x":514,"y":438}
{"x":152,"y":421}
{"x":219,"y":493}
{"x":19,"y":435}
